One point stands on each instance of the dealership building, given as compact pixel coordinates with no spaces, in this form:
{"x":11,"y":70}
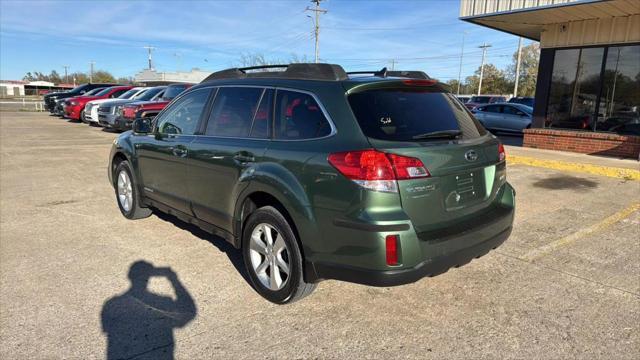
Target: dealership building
{"x":588,"y":88}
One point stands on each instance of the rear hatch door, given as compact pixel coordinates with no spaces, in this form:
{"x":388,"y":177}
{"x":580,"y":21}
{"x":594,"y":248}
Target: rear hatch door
{"x":430,"y":124}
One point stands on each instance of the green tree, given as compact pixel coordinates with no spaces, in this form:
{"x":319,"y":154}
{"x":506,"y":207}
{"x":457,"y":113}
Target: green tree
{"x":494,"y":81}
{"x":125,"y":80}
{"x":102,"y":76}
{"x":54,"y":77}
{"x":255,"y":59}
{"x":528,"y":76}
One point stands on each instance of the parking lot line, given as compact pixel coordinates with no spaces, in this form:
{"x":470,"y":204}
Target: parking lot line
{"x":614,"y":172}
{"x":602,"y":225}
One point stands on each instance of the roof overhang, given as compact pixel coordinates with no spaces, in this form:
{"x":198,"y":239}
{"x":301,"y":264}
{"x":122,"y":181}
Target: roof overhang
{"x":530,"y":22}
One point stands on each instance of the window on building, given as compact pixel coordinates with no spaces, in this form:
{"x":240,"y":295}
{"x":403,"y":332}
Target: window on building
{"x":619,"y":109}
{"x":575,"y":86}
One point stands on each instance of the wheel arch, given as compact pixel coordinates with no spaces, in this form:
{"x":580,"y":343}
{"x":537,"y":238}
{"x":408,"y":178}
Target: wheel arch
{"x":257,"y":198}
{"x":117,"y":157}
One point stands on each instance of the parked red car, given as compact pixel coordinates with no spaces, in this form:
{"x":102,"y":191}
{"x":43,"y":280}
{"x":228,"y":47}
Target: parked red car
{"x":151,"y":108}
{"x":74,"y":108}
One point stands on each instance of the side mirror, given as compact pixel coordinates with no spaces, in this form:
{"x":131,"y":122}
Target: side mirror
{"x":142,"y":125}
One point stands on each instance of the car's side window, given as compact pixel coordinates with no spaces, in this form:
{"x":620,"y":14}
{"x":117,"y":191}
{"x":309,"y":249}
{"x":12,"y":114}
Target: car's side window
{"x":262,"y":118}
{"x":233,"y":111}
{"x":183,"y":116}
{"x":493,"y":109}
{"x":510,"y":110}
{"x":118,"y":93}
{"x":298,"y":116}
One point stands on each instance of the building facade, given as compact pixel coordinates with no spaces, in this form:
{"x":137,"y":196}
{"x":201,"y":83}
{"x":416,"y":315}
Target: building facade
{"x":153,"y":77}
{"x":588,"y":88}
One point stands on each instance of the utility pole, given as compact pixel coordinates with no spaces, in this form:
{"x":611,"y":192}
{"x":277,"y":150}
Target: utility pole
{"x":515,"y":86}
{"x":464,"y":33}
{"x":178,"y":61}
{"x":393,"y":64}
{"x":91,"y":71}
{"x":66,"y":68}
{"x":484,"y":47}
{"x":150,"y":58}
{"x":317,"y":12}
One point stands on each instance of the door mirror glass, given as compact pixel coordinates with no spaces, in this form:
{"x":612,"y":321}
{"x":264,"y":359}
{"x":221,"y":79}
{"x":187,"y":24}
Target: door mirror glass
{"x":142,"y":125}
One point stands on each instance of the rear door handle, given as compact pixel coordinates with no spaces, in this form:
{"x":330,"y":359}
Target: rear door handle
{"x":179,"y":151}
{"x":244,"y":157}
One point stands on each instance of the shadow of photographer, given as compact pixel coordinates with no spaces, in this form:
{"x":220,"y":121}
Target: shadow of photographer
{"x":139,"y":323}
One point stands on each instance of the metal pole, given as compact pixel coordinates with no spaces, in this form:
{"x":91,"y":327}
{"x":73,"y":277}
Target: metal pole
{"x":484,"y":52}
{"x":515,"y":86}
{"x":464,"y":33}
{"x":317,"y":12}
{"x":66,"y":79}
{"x":91,"y":71}
{"x":149,"y":56}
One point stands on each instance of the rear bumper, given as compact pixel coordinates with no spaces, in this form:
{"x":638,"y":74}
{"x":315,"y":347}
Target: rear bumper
{"x":427,"y":268}
{"x":359,"y":253}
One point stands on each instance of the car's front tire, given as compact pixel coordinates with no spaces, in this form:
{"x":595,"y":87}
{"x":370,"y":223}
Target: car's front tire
{"x":127,"y":194}
{"x":272,"y":257}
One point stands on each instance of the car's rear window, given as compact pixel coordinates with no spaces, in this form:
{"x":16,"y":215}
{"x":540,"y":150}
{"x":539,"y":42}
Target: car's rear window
{"x":105,"y":91}
{"x":173,"y":91}
{"x":149,"y":94}
{"x":403,"y":115}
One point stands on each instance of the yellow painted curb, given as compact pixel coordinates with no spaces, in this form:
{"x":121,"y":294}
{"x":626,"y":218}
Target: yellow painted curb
{"x":619,"y":173}
{"x":611,"y":220}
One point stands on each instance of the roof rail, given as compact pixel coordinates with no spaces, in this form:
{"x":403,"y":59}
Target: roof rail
{"x":303,"y":71}
{"x":411,"y":74}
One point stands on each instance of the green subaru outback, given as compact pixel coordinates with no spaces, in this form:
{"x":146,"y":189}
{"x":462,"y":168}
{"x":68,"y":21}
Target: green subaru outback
{"x":378,"y":178}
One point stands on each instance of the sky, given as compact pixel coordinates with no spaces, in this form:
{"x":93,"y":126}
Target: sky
{"x":212,"y":35}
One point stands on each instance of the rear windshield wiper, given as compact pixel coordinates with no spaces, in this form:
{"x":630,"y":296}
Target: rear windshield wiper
{"x":443,"y":134}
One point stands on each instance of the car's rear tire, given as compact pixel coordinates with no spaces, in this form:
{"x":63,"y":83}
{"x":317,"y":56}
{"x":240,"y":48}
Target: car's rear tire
{"x":82,"y":116}
{"x":127,"y":194}
{"x":272,"y":257}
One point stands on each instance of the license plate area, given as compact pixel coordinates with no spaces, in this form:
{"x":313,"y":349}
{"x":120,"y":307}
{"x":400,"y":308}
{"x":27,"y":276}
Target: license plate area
{"x":464,"y":189}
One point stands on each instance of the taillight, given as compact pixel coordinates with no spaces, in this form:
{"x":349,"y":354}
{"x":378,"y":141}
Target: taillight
{"x":376,"y":170}
{"x":391,"y":247}
{"x":501,"y":153}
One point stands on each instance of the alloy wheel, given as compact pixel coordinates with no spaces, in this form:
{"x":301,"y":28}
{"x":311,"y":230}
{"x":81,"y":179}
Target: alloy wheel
{"x":125,"y":191}
{"x":269,"y":256}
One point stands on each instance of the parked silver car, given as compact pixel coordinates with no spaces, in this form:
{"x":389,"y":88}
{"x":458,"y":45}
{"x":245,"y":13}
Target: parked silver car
{"x":507,"y":117}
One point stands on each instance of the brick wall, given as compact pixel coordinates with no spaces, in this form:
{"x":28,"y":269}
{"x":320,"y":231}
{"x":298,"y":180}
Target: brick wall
{"x":583,"y":142}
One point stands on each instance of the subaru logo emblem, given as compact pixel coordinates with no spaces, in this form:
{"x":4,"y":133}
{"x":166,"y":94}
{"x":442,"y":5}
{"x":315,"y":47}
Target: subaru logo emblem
{"x":471,"y":155}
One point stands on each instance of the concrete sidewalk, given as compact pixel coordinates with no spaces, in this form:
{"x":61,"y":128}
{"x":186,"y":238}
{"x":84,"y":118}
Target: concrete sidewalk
{"x":573,"y":157}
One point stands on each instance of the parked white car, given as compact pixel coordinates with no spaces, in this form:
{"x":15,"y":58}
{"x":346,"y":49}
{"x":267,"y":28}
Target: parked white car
{"x":91,"y":108}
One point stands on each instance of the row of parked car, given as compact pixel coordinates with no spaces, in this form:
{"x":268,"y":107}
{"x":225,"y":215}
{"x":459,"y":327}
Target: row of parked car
{"x":110,"y":105}
{"x":495,"y":113}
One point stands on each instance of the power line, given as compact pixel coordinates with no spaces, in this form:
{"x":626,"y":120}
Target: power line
{"x":317,"y":12}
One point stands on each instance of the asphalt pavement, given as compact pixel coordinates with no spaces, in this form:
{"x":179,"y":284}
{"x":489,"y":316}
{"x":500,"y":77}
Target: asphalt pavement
{"x":566,"y":284}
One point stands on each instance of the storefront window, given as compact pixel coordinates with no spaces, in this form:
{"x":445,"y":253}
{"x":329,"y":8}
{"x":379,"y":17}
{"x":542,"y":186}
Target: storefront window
{"x":582,"y":96}
{"x":620,"y":100}
{"x":575,"y":85}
